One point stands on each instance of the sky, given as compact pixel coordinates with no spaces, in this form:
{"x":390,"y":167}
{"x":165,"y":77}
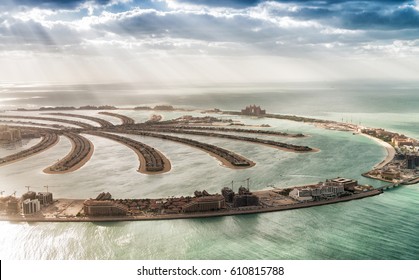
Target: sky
{"x":202,"y":41}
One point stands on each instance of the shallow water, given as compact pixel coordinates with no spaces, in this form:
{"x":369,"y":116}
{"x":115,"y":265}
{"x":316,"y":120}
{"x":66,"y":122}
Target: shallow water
{"x":380,"y":227}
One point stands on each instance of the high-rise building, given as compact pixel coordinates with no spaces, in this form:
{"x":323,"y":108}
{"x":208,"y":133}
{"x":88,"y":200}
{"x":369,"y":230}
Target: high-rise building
{"x":44,"y":198}
{"x":31,"y":206}
{"x":8,"y":134}
{"x":411,"y":163}
{"x":12,"y":206}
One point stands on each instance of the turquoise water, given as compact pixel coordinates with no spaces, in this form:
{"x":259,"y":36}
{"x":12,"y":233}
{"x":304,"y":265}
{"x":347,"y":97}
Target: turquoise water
{"x":380,"y":227}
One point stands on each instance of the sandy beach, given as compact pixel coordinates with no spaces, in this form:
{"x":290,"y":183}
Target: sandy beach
{"x":142,"y":169}
{"x":167,"y":164}
{"x":391,"y":152}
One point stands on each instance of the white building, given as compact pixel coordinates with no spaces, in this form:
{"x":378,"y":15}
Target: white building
{"x":328,"y":190}
{"x":301,"y":194}
{"x":31,"y":206}
{"x":309,"y":193}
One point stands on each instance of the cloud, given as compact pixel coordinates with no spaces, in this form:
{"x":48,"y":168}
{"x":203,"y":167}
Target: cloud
{"x":129,"y":32}
{"x":401,"y":18}
{"x":223,"y":3}
{"x":396,"y":48}
{"x":285,"y":29}
{"x":51,"y":3}
{"x":311,"y":3}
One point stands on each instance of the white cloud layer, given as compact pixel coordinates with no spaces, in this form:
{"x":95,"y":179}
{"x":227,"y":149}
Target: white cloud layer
{"x":165,"y":41}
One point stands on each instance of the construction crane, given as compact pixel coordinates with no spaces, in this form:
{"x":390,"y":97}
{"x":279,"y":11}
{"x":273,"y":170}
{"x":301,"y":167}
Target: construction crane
{"x":247,"y":182}
{"x":46,"y":187}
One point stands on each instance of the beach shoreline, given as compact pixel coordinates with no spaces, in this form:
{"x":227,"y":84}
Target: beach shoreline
{"x":391,"y":152}
{"x":167,"y":165}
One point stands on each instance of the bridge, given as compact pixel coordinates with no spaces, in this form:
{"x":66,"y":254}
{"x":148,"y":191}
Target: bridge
{"x":390,"y":186}
{"x":411,"y":181}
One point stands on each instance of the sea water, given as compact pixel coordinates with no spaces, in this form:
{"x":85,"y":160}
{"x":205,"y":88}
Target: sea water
{"x":380,"y":227}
